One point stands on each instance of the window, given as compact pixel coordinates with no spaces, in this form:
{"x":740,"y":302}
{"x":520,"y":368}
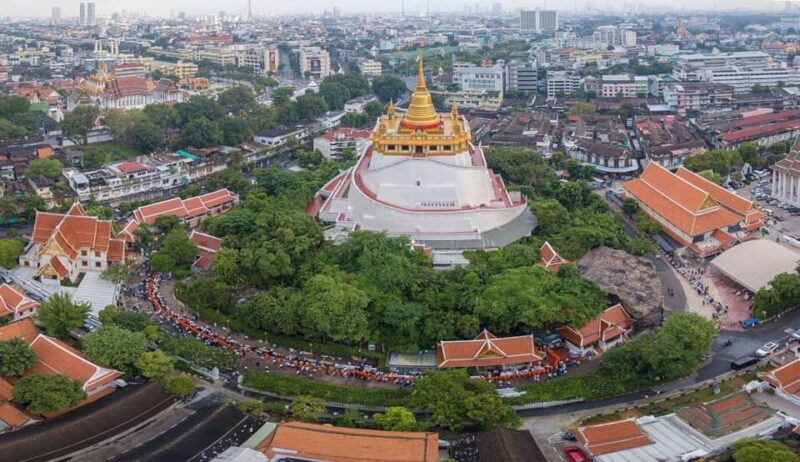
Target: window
{"x":97,"y":253}
{"x":84,"y":253}
{"x":98,"y":264}
{"x":84,"y":263}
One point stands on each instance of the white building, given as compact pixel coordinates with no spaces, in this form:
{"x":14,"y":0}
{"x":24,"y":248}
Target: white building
{"x":370,"y":67}
{"x":281,"y":136}
{"x":334,"y":142}
{"x":480,"y":78}
{"x":562,"y":82}
{"x":271,"y":59}
{"x":743,"y":79}
{"x":786,"y":178}
{"x":688,"y":66}
{"x":624,"y":85}
{"x":539,"y":21}
{"x":358,"y":104}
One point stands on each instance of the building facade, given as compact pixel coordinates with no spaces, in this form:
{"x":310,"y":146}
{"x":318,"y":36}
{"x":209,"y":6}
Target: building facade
{"x":786,"y":178}
{"x":315,"y":62}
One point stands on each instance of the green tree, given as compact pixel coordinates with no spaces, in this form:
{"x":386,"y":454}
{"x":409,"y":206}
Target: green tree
{"x":309,"y":159}
{"x":333,"y":310}
{"x":117,"y":273}
{"x":155,"y":364}
{"x":629,"y":206}
{"x":77,"y":124}
{"x":236,"y":99}
{"x":647,"y":226}
{"x":133,"y":321}
{"x":199,"y":133}
{"x":679,"y":345}
{"x":309,"y":106}
{"x":146,"y":136}
{"x":307,"y":408}
{"x":48,"y":168}
{"x":388,"y":88}
{"x":235,"y":131}
{"x":59,"y":315}
{"x":120,"y":124}
{"x":114,"y":346}
{"x":162,"y":262}
{"x":47,"y":393}
{"x":167,"y":223}
{"x":254,"y":407}
{"x":10,"y":251}
{"x":781,"y":295}
{"x":162,"y":115}
{"x":199,"y":107}
{"x":396,"y":419}
{"x":756,"y":450}
{"x":454,"y":398}
{"x":335,"y":94}
{"x":15,"y":357}
{"x":350,"y":418}
{"x":180,"y":248}
{"x":180,"y":385}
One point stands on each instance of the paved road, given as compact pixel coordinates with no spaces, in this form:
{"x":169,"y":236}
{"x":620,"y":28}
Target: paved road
{"x":744,"y":343}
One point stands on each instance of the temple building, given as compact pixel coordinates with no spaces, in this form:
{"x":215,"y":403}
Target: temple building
{"x":422,"y":177}
{"x":697,"y":214}
{"x":126,"y":90}
{"x":786,"y":177}
{"x":64,"y":246}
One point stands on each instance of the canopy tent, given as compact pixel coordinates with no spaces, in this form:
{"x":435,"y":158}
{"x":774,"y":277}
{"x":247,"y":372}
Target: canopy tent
{"x":753,"y":264}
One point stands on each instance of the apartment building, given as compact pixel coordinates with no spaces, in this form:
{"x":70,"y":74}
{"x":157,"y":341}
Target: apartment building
{"x":478,"y":78}
{"x":315,"y":62}
{"x":148,"y":178}
{"x":600,"y":141}
{"x":623,"y":85}
{"x":688,"y":66}
{"x":539,"y":21}
{"x":221,"y":56}
{"x":562,"y":82}
{"x":334,"y":142}
{"x":370,"y":67}
{"x":743,"y":79}
{"x":696,"y":96}
{"x":521,"y":77}
{"x":271,"y":59}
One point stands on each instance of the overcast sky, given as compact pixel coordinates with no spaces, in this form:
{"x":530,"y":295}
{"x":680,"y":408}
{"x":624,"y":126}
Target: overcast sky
{"x":70,"y":8}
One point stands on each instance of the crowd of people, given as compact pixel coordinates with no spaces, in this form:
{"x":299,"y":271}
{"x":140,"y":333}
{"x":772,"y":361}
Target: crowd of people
{"x":304,"y":364}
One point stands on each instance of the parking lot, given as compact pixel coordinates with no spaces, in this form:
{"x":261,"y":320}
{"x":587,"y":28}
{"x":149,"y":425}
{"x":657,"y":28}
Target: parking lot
{"x":783,"y":222}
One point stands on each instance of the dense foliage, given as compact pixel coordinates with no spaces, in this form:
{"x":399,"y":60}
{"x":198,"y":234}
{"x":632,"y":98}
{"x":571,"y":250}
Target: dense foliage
{"x":59,"y":315}
{"x":47,"y":393}
{"x":782,"y":294}
{"x":15,"y":357}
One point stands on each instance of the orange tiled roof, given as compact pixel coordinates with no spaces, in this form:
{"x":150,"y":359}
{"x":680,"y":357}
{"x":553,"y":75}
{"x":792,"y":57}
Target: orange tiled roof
{"x":686,"y":206}
{"x":186,"y":209}
{"x":786,"y":377}
{"x":550,"y":258}
{"x":127,"y":233}
{"x":13,"y":416}
{"x":336,"y":444}
{"x":54,"y":357}
{"x":612,"y":437}
{"x":116,"y":250}
{"x":72,"y":231}
{"x":6,"y":390}
{"x":24,"y":329}
{"x":608,"y":325}
{"x":13,"y":301}
{"x":730,"y":200}
{"x":486,"y":350}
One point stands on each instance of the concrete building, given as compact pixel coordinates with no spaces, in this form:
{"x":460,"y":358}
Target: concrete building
{"x":696,"y":96}
{"x":786,"y":178}
{"x":221,"y":56}
{"x":624,"y":85}
{"x":334,"y":142}
{"x":521,"y":77}
{"x":688,"y":66}
{"x":480,"y":78}
{"x":370,"y":67}
{"x":55,"y":14}
{"x":743,"y":79}
{"x":272,"y":59}
{"x":91,"y":18}
{"x":562,"y":82}
{"x":82,"y":17}
{"x":539,"y":21}
{"x":315,"y":62}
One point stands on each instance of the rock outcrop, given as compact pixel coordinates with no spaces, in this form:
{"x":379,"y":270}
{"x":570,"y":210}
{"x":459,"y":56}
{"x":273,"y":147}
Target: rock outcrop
{"x":633,"y":280}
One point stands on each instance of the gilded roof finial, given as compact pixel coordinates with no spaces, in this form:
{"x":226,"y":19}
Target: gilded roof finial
{"x":390,"y":109}
{"x":454,"y":111}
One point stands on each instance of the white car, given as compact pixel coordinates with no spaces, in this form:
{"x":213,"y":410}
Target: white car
{"x":796,"y":334}
{"x":767,"y":349}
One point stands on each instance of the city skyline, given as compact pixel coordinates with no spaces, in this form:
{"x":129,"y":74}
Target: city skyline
{"x":167,"y":8}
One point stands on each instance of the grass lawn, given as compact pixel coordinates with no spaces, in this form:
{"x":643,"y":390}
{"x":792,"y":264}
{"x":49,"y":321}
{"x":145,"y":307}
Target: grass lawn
{"x":95,"y":155}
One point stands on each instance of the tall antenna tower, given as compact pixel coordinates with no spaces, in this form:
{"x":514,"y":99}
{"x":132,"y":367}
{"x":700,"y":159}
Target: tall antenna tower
{"x":249,"y":10}
{"x":428,"y":8}
{"x":403,"y":8}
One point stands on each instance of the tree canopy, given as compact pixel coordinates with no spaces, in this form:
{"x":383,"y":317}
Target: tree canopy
{"x":59,"y":315}
{"x":47,"y":393}
{"x":15,"y":357}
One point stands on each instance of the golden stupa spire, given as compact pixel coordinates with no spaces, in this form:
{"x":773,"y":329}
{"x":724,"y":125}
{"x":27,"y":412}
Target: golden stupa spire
{"x":390,"y":109}
{"x":421,"y":112}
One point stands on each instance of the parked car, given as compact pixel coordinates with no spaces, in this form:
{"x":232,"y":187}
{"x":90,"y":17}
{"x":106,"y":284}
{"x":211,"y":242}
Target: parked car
{"x":575,"y":454}
{"x":750,"y":322}
{"x":743,"y":362}
{"x":796,"y":334}
{"x":767,"y":349}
